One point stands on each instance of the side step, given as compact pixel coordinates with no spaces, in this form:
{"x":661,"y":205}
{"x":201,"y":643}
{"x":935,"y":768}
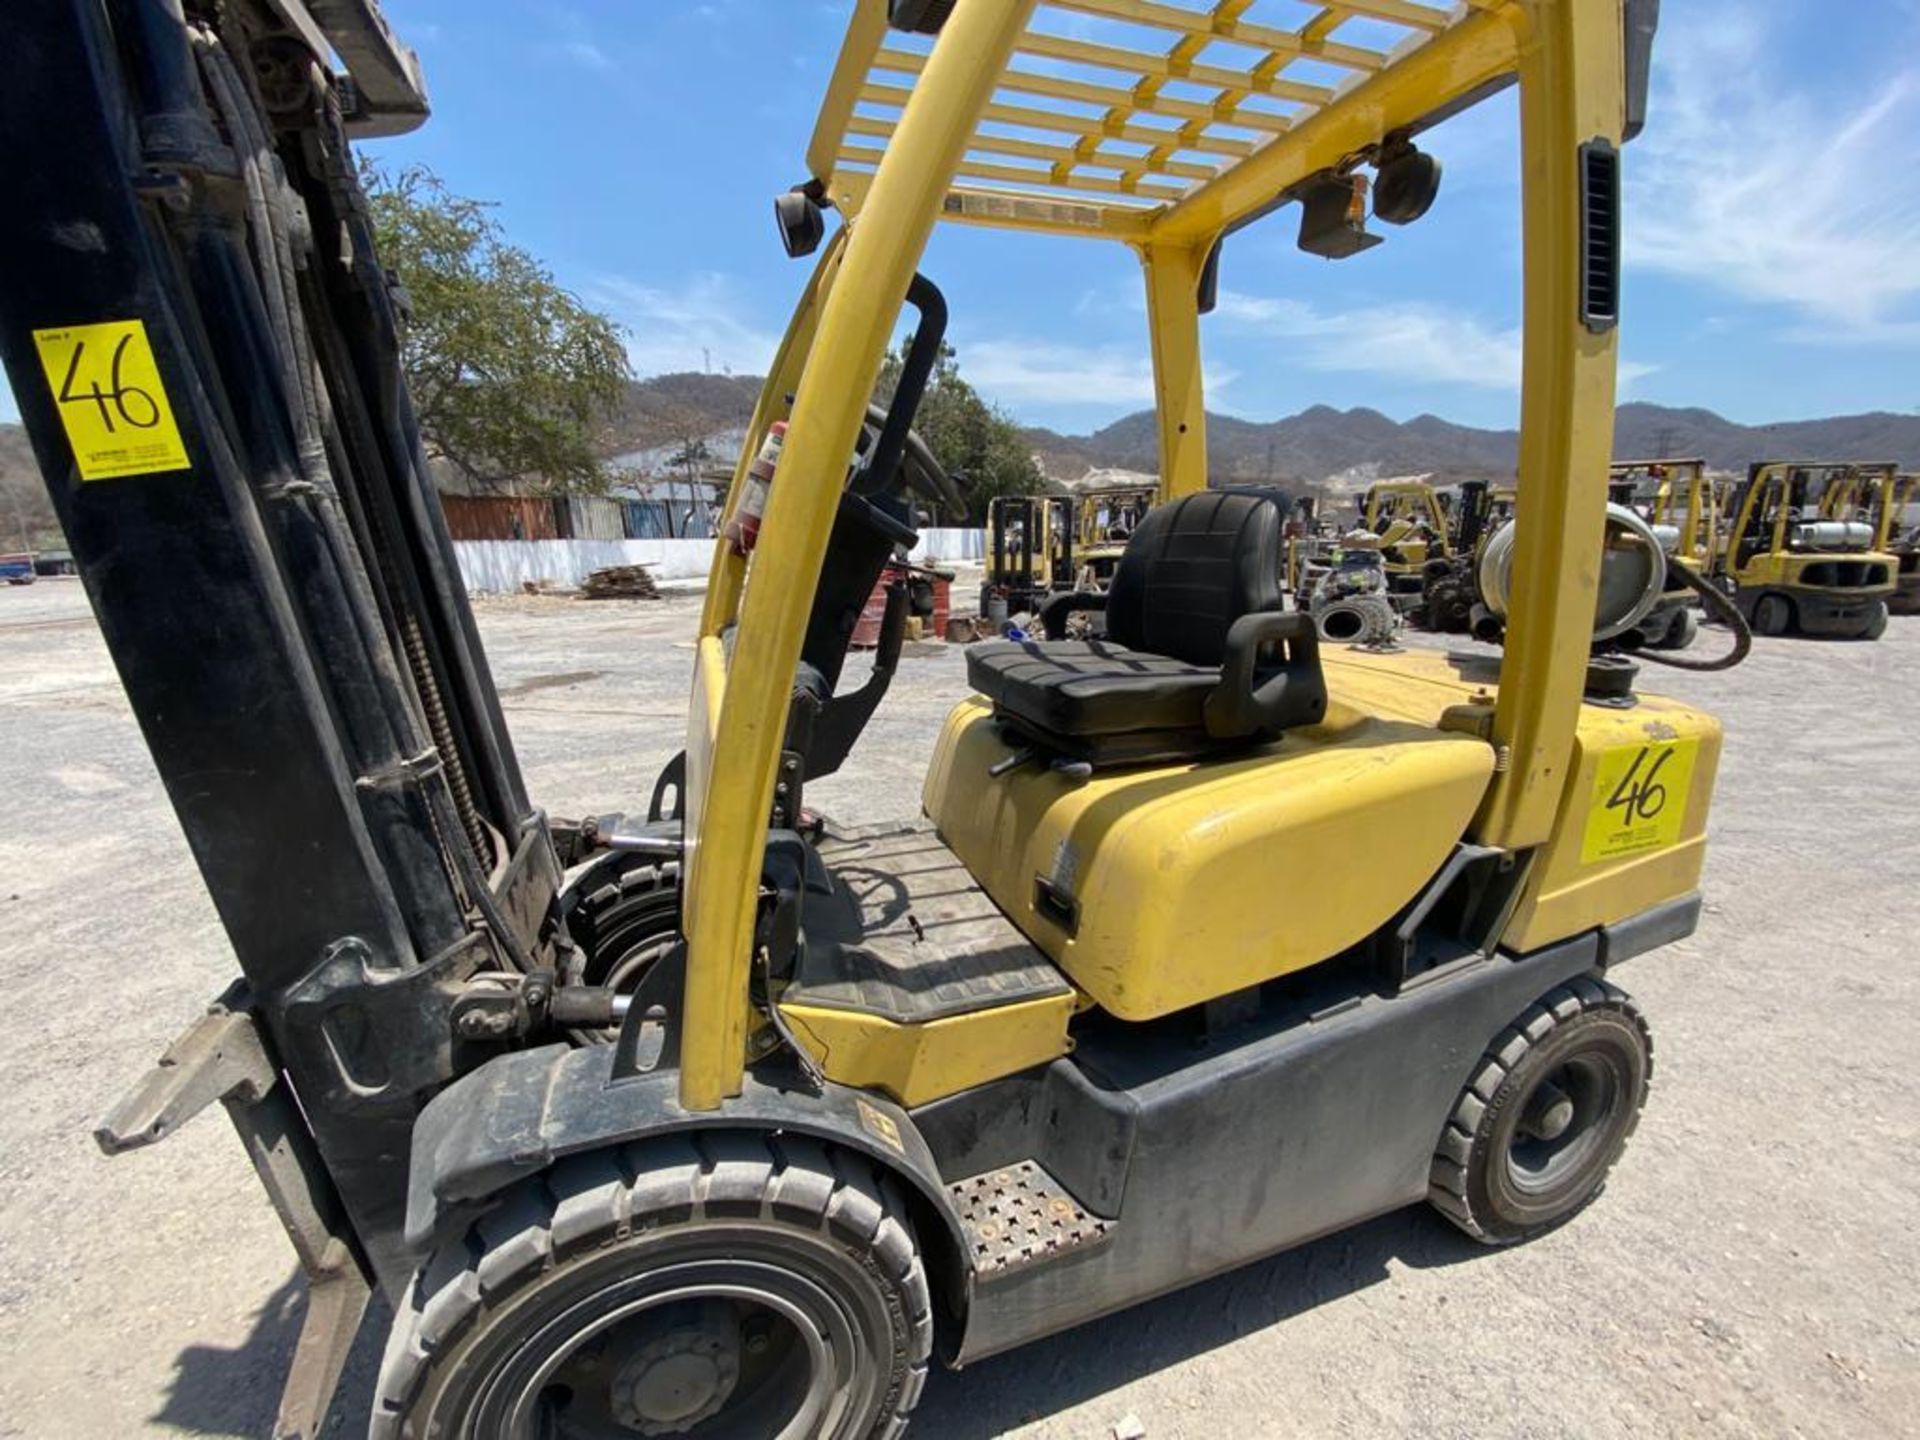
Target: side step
{"x":1020,"y":1216}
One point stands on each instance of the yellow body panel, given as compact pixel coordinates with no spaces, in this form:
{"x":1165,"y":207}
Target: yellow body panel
{"x":1194,"y":881}
{"x":1589,"y":872}
{"x":1567,"y":891}
{"x":919,"y":1063}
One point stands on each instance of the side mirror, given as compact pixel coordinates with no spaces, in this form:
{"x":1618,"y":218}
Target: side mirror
{"x":802,"y":225}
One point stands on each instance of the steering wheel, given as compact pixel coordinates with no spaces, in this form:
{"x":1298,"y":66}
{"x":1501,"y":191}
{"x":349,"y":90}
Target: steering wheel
{"x":920,"y":472}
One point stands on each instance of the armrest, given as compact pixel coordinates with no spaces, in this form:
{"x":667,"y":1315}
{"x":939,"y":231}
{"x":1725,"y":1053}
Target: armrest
{"x":1274,"y":694}
{"x":1053,"y":614}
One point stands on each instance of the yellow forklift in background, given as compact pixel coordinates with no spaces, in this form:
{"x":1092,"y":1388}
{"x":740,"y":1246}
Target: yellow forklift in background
{"x":1414,"y":532}
{"x":1677,"y":499}
{"x":1030,"y":554}
{"x":729,"y":1121}
{"x":1104,"y":518}
{"x":1804,"y":548}
{"x":1900,"y":538}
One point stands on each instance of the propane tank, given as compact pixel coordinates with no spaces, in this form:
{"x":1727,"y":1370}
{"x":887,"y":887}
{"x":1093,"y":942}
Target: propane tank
{"x":1832,"y":535}
{"x":1633,"y":573}
{"x":743,"y":529}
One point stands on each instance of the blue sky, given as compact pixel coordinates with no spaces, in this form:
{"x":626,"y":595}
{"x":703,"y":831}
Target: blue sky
{"x":1773,"y":218}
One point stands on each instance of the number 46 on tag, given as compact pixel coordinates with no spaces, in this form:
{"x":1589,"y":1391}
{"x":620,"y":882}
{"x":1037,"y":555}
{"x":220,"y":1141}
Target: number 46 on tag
{"x":1639,"y":799}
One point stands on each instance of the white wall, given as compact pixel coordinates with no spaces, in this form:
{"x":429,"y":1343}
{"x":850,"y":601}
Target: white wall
{"x":496,"y":567}
{"x":951,"y":546}
{"x":492,"y":567}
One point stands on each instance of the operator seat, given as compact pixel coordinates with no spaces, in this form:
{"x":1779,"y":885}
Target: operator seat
{"x":1199,"y":657}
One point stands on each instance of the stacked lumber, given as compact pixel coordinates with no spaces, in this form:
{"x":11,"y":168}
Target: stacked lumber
{"x":620,"y":582}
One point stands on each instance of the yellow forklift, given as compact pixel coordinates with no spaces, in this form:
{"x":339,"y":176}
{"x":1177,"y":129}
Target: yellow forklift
{"x":1415,"y":533}
{"x":1676,"y":498}
{"x":1900,"y":538}
{"x":1030,"y":554}
{"x":1104,"y":518}
{"x":725,"y":1120}
{"x":1804,"y":549}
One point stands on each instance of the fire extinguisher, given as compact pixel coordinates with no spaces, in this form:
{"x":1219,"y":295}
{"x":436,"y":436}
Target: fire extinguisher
{"x":743,"y":530}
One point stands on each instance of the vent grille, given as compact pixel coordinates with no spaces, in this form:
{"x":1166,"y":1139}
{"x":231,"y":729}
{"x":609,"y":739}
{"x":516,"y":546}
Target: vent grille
{"x":1599,"y":235}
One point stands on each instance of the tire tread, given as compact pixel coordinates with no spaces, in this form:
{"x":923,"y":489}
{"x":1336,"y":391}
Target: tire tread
{"x":590,"y":1201}
{"x":1448,"y":1189}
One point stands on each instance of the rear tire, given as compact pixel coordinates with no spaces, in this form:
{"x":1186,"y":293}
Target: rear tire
{"x":1547,"y":1113}
{"x":1876,"y":625}
{"x":1682,"y":632}
{"x":1772,"y":615}
{"x":716,"y":1285}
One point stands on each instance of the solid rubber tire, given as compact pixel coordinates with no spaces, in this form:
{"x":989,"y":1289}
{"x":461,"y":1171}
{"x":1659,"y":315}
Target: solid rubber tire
{"x":613,"y":1214}
{"x":1467,"y":1181}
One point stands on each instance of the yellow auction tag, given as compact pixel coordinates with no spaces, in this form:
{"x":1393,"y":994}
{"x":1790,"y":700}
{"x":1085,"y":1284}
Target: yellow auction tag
{"x":1639,"y":799}
{"x":111,"y":401}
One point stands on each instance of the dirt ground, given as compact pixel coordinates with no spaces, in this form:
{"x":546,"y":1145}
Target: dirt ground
{"x":1752,"y":1271}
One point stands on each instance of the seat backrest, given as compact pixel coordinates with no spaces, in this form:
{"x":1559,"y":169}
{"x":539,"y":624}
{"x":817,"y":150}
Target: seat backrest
{"x":1192,"y":568}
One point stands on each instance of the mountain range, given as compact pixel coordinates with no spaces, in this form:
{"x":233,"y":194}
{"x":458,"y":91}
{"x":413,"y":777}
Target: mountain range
{"x":1321,"y":444}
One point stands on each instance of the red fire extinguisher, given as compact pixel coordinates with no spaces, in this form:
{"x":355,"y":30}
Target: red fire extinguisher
{"x":743,"y":530}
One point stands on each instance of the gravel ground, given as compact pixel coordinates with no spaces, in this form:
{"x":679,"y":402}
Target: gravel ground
{"x":1751,"y":1272}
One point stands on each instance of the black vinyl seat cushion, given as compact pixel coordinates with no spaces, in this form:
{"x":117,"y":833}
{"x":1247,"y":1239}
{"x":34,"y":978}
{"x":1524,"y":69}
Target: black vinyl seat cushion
{"x":1088,"y":688}
{"x":1193,"y":615}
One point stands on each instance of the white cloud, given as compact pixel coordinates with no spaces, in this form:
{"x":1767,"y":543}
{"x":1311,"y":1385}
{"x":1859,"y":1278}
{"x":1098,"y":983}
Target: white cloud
{"x":1414,"y":341}
{"x":1750,"y":183}
{"x":1419,"y":342}
{"x":1024,"y":372}
{"x":585,"y":54}
{"x":703,"y":325}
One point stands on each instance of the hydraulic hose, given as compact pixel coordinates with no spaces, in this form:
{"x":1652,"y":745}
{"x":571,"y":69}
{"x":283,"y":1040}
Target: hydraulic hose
{"x":1722,"y":609}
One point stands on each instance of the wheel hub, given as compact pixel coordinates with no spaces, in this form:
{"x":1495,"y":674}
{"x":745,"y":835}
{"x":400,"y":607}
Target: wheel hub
{"x":1549,"y":1112}
{"x":681,"y":1377}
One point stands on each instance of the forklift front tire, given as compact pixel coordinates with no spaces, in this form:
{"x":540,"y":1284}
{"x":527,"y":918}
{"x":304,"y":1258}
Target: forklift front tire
{"x":730,"y":1283}
{"x":1545,"y":1116}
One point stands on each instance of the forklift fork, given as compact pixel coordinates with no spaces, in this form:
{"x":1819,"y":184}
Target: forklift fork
{"x":225,"y":1057}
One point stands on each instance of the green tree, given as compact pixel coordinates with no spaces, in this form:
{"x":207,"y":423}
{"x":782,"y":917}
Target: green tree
{"x":511,"y":374}
{"x":969,"y":437}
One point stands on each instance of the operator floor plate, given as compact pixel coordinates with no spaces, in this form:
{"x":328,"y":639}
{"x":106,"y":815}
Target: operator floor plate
{"x":1020,"y":1215}
{"x":907,"y":934}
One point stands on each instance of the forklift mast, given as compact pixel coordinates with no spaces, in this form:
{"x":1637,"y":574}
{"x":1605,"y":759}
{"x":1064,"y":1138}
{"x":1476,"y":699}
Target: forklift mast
{"x":204,"y":347}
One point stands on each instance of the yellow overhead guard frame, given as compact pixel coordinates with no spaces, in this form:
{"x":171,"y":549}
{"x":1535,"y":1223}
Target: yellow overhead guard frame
{"x":912,"y":133}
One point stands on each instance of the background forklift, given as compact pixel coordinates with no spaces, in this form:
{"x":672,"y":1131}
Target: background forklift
{"x":1414,"y":532}
{"x":1030,"y":554}
{"x":717,"y":1122}
{"x":1900,"y":532}
{"x":1104,"y":516}
{"x":1676,"y":498}
{"x":1802,"y":546}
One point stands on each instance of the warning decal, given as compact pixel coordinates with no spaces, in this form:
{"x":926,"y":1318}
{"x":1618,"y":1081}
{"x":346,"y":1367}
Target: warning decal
{"x":1639,"y":799}
{"x":108,"y":390}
